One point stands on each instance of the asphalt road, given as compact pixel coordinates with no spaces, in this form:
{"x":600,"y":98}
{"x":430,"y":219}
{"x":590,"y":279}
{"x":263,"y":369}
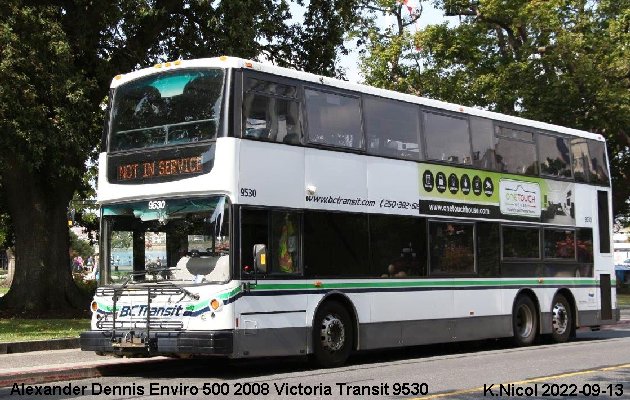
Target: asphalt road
{"x":596,"y":363}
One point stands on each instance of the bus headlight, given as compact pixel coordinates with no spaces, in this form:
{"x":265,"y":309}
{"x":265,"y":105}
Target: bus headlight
{"x":94,"y":306}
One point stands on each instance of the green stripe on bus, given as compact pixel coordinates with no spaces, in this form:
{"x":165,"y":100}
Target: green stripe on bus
{"x":411,"y":284}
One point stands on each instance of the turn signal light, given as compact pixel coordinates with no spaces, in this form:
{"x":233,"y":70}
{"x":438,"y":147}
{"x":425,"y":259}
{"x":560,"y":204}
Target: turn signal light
{"x":215,"y":304}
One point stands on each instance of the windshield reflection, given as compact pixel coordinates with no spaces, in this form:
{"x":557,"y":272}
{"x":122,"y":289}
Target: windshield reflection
{"x":170,"y":108}
{"x":183,"y":240}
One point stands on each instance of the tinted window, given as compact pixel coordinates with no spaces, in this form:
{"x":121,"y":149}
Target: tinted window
{"x":271,"y":118}
{"x":254,"y":230}
{"x":285,"y":242}
{"x":603,"y":221}
{"x":554,"y":156}
{"x":446,"y":138}
{"x":158,"y":110}
{"x":333,"y":119}
{"x":515,"y":152}
{"x":520,"y":242}
{"x":398,"y":246}
{"x":581,"y":159}
{"x":272,"y":88}
{"x":488,"y":251}
{"x":284,"y":248}
{"x":482,"y":135}
{"x":599,"y":169}
{"x":585,"y":245}
{"x":335,"y":244}
{"x":392,"y":128}
{"x":559,"y":243}
{"x":451,"y":248}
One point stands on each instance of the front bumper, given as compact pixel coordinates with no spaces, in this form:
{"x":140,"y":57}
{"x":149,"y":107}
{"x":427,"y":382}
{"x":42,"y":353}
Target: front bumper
{"x":161,"y":342}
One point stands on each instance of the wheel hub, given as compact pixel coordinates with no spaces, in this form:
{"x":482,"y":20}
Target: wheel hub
{"x":560,"y":319}
{"x":333,"y":333}
{"x":524,"y":321}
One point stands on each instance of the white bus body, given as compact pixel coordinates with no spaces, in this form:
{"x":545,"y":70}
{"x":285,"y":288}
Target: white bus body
{"x":255,"y":310}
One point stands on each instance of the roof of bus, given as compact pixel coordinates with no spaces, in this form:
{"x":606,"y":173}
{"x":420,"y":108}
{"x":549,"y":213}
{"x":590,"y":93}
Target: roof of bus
{"x":239,"y":63}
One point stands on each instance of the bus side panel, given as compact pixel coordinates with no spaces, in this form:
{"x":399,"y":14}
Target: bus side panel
{"x":480,"y":314}
{"x":271,"y":174}
{"x":270,"y":324}
{"x":358,"y":304}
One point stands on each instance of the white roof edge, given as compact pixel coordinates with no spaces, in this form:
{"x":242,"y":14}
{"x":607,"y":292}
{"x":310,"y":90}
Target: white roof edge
{"x":235,"y":62}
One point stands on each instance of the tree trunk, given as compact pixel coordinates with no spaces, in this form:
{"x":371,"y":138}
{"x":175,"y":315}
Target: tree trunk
{"x":10,"y":266}
{"x":42,"y":283}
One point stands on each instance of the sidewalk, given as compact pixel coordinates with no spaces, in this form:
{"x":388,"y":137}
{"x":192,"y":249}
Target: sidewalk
{"x":60,"y":365}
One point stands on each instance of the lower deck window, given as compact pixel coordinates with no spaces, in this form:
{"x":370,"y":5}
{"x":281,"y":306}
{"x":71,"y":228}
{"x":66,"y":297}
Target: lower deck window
{"x":451,"y":247}
{"x":560,"y":243}
{"x":520,"y":242}
{"x":335,"y":244}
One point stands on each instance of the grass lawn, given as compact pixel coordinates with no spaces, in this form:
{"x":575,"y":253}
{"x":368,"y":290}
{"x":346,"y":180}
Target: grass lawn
{"x":17,"y":330}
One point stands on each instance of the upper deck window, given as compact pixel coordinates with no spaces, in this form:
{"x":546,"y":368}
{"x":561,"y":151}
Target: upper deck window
{"x":482,"y":137}
{"x":182,"y":106}
{"x":554,"y":156}
{"x":447,"y":138}
{"x":599,"y":171}
{"x":589,"y":160}
{"x":392,"y":128}
{"x":271,"y":112}
{"x":515,"y":151}
{"x":334,"y":119}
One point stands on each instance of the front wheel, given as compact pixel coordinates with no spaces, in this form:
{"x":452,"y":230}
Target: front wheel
{"x":561,"y":319}
{"x":332,"y":335}
{"x":524,"y":321}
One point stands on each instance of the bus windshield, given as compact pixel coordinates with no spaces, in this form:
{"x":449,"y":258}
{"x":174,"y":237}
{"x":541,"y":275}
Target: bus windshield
{"x":165,"y":109}
{"x":183,"y":240}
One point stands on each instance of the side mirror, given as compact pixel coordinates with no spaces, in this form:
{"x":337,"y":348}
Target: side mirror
{"x":260,"y":258}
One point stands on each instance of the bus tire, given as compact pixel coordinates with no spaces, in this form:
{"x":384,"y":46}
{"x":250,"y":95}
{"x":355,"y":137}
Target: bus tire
{"x":332,"y":335}
{"x":524,"y":321}
{"x":561,"y":319}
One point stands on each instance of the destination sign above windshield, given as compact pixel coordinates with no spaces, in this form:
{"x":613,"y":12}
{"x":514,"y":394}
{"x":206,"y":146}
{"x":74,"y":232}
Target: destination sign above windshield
{"x":160,"y":165}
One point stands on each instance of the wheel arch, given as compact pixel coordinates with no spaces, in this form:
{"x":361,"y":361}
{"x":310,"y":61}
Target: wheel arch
{"x":345,"y":301}
{"x":530,"y":293}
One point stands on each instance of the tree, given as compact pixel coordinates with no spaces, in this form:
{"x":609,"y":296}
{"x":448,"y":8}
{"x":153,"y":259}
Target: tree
{"x":56,"y":61}
{"x":565,"y":62}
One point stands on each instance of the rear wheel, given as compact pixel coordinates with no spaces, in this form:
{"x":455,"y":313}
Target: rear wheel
{"x":524,"y":321}
{"x":332,"y":335}
{"x":561,"y":319}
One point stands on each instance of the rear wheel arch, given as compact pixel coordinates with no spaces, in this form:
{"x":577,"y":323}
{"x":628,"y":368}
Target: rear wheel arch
{"x":345,"y":301}
{"x":526,"y":317}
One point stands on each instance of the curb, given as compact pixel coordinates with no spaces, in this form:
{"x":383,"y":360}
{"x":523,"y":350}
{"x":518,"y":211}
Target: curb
{"x":38,"y":345}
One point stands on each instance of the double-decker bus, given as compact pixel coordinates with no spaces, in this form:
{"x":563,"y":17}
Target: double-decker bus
{"x":249,"y":210}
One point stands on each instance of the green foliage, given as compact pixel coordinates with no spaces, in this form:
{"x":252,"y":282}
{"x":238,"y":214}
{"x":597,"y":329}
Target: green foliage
{"x":87,"y":287}
{"x":80,"y":247}
{"x":565,"y":62}
{"x":57,"y":60}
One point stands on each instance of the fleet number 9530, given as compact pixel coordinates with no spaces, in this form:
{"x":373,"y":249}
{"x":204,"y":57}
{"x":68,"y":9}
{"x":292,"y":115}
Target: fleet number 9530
{"x":247,"y":192}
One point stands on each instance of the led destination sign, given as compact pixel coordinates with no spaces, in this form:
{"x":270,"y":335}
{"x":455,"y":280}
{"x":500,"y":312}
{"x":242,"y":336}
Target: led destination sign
{"x":160,"y":165}
{"x":153,"y":169}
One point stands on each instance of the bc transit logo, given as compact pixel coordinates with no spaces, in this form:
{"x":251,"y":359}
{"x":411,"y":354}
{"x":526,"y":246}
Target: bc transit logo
{"x":143,"y":310}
